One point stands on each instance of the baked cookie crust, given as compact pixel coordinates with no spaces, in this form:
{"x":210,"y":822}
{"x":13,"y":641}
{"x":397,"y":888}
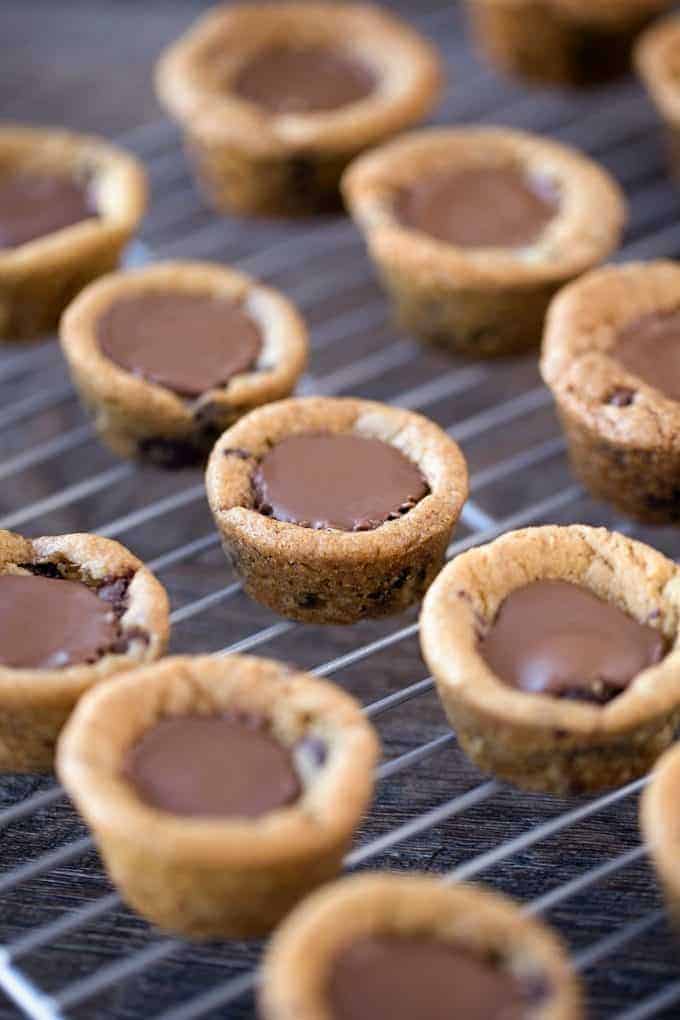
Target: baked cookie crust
{"x":535,"y":740}
{"x":657,"y":58}
{"x":299,"y":958}
{"x":660,"y":824}
{"x":208,"y":877}
{"x":329,"y":576}
{"x":140,"y":418}
{"x":39,"y":278}
{"x":254,"y":162}
{"x":623,"y":433}
{"x":561,"y":42}
{"x":35,"y":704}
{"x":481,"y":301}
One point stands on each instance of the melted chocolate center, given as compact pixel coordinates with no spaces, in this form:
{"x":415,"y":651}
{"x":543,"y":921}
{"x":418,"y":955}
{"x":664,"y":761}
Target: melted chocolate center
{"x":553,"y":637}
{"x":188,"y":343}
{"x":303,"y":80}
{"x":213,"y":766}
{"x":345,"y":482}
{"x":394,"y":978}
{"x":480,"y":208}
{"x":49,"y":623}
{"x":650,"y":349}
{"x":33,"y":205}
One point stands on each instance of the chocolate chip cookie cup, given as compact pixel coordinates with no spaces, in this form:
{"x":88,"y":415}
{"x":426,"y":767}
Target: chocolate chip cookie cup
{"x":220,"y":790}
{"x":561,"y":42}
{"x":472,"y":230}
{"x":556,"y":656}
{"x":74,"y":610}
{"x":68,"y":206}
{"x":660,"y":824}
{"x":169,"y":356}
{"x":657,"y":56}
{"x":334,"y":510}
{"x":610,"y":360}
{"x":396,"y":947}
{"x":276,"y":98}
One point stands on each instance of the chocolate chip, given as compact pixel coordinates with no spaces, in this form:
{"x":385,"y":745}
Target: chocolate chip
{"x":172,"y":454}
{"x":622,"y":396}
{"x":236,"y":452}
{"x":131,"y":635}
{"x":42,"y":569}
{"x":309,"y":600}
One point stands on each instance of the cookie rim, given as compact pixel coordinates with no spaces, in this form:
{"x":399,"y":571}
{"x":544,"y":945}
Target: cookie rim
{"x":284,"y":338}
{"x":449,"y":626}
{"x":107,"y":722}
{"x":219,"y":117}
{"x":229,"y":478}
{"x":300,"y":953}
{"x":594,"y":198}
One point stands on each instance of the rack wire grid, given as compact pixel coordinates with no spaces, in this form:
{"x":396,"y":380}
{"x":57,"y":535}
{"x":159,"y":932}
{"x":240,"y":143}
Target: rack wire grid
{"x":69,"y":947}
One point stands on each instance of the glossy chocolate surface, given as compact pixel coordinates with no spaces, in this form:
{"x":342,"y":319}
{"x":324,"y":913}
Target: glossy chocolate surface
{"x":481,"y":207}
{"x":223,"y":766}
{"x":342,"y":481}
{"x":188,"y":343}
{"x":392,"y":978}
{"x":649,"y":347}
{"x":558,"y":638}
{"x":33,"y":205}
{"x":50,"y":623}
{"x":303,"y":80}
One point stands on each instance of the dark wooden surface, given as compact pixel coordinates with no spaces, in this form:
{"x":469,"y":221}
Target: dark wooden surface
{"x":86,"y":64}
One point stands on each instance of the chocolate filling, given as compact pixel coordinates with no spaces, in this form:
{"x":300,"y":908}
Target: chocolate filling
{"x":188,"y":343}
{"x":557,"y":638}
{"x":347,"y":482}
{"x":50,"y":623}
{"x":484,"y":207}
{"x":33,"y":205}
{"x":303,"y":80}
{"x":649,"y":347}
{"x":421,"y":978}
{"x":213,"y":766}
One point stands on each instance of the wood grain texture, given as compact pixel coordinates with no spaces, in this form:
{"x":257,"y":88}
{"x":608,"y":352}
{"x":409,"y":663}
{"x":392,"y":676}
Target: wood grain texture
{"x":85,"y":64}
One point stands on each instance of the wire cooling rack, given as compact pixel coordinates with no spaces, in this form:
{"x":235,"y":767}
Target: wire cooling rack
{"x":68,"y":946}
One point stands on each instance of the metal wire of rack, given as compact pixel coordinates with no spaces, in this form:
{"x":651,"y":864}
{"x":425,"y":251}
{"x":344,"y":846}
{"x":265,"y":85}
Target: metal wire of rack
{"x":502,"y":416}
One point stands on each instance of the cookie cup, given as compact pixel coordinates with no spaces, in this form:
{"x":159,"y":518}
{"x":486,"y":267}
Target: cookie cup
{"x":39,"y":278}
{"x":301,"y":955}
{"x":36,"y":703}
{"x":481,"y":301}
{"x":535,"y":740}
{"x":208,"y":877}
{"x":660,"y":824}
{"x":657,"y":57}
{"x":623,"y":434}
{"x":561,"y":42}
{"x":249,"y":160}
{"x":330,"y":576}
{"x":139,"y":418}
